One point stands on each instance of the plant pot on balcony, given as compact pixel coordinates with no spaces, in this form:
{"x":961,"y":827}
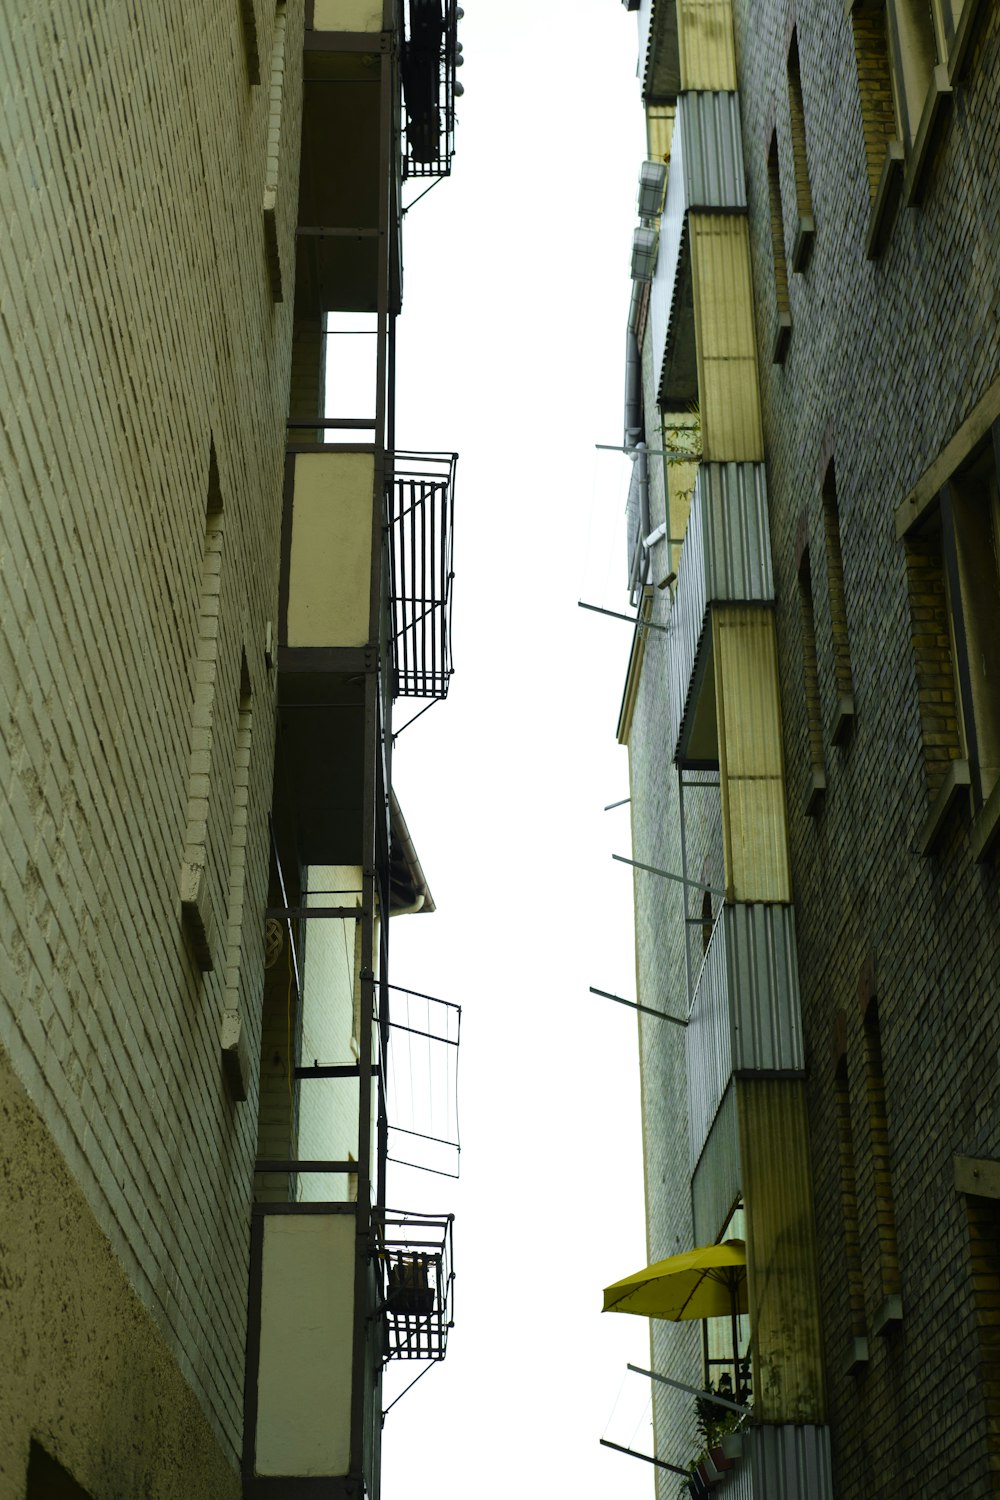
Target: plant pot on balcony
{"x":409,"y":1292}
{"x":732,"y":1445}
{"x":714,"y":1466}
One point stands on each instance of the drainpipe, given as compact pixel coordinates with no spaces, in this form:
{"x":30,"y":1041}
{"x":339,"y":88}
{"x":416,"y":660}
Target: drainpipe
{"x":640,"y":456}
{"x":633,"y":374}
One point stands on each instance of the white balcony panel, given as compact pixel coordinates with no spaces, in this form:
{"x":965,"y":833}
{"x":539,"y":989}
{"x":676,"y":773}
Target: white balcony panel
{"x":306,"y":1337}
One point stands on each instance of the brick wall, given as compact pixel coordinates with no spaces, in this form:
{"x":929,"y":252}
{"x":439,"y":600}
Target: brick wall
{"x":139,"y":329}
{"x":885,"y":360}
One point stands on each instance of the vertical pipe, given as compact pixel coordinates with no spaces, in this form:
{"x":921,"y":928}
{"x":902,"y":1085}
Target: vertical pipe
{"x":362,"y":1308}
{"x":385,"y":181}
{"x":684,"y":888}
{"x":432,"y":507}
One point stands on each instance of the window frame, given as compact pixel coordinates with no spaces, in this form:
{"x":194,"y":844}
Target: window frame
{"x":929,"y":505}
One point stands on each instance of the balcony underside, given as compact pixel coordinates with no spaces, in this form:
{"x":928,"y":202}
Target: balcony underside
{"x":319,"y":766}
{"x":337,"y":254}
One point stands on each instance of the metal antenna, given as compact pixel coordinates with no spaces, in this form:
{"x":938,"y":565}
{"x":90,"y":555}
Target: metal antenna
{"x":634,"y":1005}
{"x":699,"y":885}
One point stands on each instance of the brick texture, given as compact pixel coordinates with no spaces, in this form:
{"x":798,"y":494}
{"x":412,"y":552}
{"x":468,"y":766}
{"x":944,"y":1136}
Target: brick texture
{"x":137,"y":328}
{"x":888,"y":357}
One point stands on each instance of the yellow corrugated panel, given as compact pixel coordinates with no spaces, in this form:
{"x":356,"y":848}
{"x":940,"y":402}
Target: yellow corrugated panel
{"x":788,"y":1381}
{"x":724,"y":334}
{"x":706,"y":44}
{"x":751,"y":769}
{"x":659,"y":130}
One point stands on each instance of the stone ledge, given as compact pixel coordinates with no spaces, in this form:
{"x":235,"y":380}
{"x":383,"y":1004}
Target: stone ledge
{"x":885,"y":204}
{"x":889,"y":1316}
{"x":197,"y":915}
{"x":986,"y":827}
{"x":235,"y":1055}
{"x":977,"y":1175}
{"x":932,"y":116}
{"x":843,"y":724}
{"x":957,"y":778}
{"x":805,"y":234}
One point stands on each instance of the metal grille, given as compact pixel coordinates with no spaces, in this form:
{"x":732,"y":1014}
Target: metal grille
{"x":428,"y":69}
{"x":421,"y":510}
{"x":415,"y":1258}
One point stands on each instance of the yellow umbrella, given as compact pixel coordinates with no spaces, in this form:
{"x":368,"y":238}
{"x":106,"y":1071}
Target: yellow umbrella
{"x":706,"y":1283}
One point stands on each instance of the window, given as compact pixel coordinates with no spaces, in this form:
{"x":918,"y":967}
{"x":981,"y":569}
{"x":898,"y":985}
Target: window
{"x":810,"y":679}
{"x":844,"y":719}
{"x":272,"y":169}
{"x":806,"y":227}
{"x":953,"y":574}
{"x":847,"y":1175}
{"x":196,"y":898}
{"x":783,"y":328}
{"x":978,"y":1180}
{"x":879,"y":1173}
{"x":913,"y":57}
{"x":248,"y":25}
{"x":883,"y":148}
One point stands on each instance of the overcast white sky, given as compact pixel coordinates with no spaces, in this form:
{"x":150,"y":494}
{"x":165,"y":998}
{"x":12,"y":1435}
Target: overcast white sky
{"x":511,"y":351}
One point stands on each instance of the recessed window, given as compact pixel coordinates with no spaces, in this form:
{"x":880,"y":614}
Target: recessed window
{"x":984,"y":1246}
{"x":913,"y":55}
{"x":844,"y":715}
{"x":805,"y":228}
{"x":878,"y":1172}
{"x":810,"y":681}
{"x":783,"y":321}
{"x":883,"y":146}
{"x":847,"y":1174}
{"x":953,"y":574}
{"x":970,"y":505}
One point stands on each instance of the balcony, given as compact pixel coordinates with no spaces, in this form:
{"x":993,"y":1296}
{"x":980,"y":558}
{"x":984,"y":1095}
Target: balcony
{"x":706,"y":175}
{"x":726,"y":558}
{"x":430,"y":55}
{"x":343,"y":195}
{"x":659,"y":59}
{"x":745,"y":1014}
{"x":421,"y":572}
{"x":414,"y":1259}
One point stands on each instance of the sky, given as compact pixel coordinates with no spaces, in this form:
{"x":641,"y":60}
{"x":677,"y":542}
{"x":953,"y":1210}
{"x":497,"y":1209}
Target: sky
{"x":511,"y":352}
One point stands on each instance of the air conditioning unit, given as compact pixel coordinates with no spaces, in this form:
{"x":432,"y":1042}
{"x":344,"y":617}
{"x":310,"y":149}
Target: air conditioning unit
{"x":645,"y":245}
{"x":652,"y":189}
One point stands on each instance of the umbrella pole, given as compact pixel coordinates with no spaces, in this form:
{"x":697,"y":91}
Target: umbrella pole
{"x":736,"y":1340}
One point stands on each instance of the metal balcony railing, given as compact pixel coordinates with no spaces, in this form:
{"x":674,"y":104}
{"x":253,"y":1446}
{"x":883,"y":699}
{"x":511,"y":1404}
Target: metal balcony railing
{"x":415,"y":1259}
{"x":429,"y":58}
{"x":421,"y":505}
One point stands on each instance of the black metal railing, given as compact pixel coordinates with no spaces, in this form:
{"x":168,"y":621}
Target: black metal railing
{"x":428,"y":62}
{"x":414,"y":1257}
{"x":420,"y":507}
